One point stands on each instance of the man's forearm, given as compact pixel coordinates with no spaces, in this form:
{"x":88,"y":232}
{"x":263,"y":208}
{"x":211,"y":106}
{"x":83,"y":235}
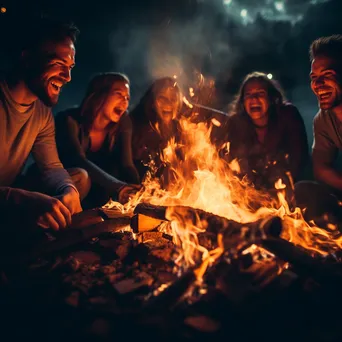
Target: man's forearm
{"x":12,"y":196}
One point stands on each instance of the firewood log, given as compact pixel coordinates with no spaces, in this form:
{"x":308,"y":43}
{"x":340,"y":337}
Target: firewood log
{"x":212,"y":223}
{"x":302,"y":262}
{"x":86,"y":218}
{"x":170,"y":296}
{"x":66,"y":239}
{"x":155,"y":211}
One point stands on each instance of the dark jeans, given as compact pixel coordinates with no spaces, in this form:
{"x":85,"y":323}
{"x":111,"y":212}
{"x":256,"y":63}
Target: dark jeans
{"x":319,"y":202}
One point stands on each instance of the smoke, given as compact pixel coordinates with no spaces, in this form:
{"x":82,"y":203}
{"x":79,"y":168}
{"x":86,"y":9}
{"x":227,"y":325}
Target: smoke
{"x":180,"y":47}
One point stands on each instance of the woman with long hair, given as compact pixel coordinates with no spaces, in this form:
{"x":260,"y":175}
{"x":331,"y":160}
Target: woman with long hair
{"x":97,"y":137}
{"x":155,"y":122}
{"x":266,"y":133}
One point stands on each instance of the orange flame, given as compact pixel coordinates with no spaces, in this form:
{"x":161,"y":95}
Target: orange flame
{"x":202,"y":180}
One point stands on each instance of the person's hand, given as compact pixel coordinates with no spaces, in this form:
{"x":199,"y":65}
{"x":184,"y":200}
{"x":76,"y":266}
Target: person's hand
{"x":71,"y":199}
{"x":51,"y":212}
{"x":127,"y":191}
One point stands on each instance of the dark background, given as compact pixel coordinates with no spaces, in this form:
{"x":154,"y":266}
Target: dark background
{"x":150,"y":38}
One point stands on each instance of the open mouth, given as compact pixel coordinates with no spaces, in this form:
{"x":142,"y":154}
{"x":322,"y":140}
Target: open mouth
{"x":255,"y":109}
{"x":118,"y":111}
{"x":323,"y":95}
{"x":56,"y":86}
{"x":167,"y":112}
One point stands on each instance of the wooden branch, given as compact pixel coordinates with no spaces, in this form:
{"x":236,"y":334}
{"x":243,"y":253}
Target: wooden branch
{"x":271,"y":226}
{"x":86,"y":218}
{"x":68,"y":238}
{"x":169,"y":297}
{"x":303,"y":263}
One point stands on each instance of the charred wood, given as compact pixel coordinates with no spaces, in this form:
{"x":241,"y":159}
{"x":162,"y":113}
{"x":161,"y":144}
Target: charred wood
{"x":303,"y":263}
{"x":64,"y":240}
{"x":171,"y":296}
{"x":235,"y":233}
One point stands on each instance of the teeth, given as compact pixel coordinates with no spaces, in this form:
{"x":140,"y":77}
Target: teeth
{"x":55,"y":85}
{"x":323,"y":92}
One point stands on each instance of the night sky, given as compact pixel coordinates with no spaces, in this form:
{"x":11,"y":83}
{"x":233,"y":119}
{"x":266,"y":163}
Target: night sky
{"x":222,"y":39}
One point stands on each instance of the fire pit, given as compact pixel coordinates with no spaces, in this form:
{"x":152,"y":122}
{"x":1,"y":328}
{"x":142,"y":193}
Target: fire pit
{"x":205,"y":256}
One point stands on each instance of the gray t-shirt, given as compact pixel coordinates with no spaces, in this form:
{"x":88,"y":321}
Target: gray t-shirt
{"x":327,"y":137}
{"x":24,"y":131}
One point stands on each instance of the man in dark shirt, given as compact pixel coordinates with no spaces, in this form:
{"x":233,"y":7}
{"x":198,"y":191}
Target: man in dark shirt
{"x":27,"y":126}
{"x":322,"y":199}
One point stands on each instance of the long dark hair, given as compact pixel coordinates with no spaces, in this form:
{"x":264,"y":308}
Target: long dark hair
{"x":96,"y":93}
{"x":144,"y":111}
{"x":274,"y":91}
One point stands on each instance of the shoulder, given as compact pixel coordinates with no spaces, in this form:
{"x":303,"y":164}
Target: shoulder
{"x":320,"y":117}
{"x":236,"y":121}
{"x":289,"y":110}
{"x":234,"y":118}
{"x":68,"y":117}
{"x":68,"y":113}
{"x":322,"y":122}
{"x":125,"y":122}
{"x":289,"y":116}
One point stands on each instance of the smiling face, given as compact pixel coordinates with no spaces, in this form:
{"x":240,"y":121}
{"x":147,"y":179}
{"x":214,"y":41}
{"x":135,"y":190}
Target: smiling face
{"x":167,"y":103}
{"x":116,"y":102}
{"x":49,"y":69}
{"x":325,"y":82}
{"x":256,"y":100}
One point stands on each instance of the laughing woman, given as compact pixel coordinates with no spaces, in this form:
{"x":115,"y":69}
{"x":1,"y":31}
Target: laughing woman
{"x":97,"y":135}
{"x":155,"y":122}
{"x":267,"y":134}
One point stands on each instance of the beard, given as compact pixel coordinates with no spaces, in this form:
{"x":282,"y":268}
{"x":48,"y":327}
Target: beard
{"x":330,"y":103}
{"x":40,"y":89}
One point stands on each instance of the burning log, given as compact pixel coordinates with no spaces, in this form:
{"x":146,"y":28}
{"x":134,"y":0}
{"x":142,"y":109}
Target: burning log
{"x":155,"y":211}
{"x":239,"y":235}
{"x":303,"y":263}
{"x":233,"y":232}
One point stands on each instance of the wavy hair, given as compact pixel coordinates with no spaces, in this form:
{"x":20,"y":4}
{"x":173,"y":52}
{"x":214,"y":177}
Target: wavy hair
{"x":97,"y":91}
{"x":144,"y":111}
{"x":274,"y":91}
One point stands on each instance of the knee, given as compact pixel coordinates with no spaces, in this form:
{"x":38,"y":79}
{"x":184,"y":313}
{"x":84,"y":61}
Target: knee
{"x":305,"y":190}
{"x":315,"y":198}
{"x":82,"y":181}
